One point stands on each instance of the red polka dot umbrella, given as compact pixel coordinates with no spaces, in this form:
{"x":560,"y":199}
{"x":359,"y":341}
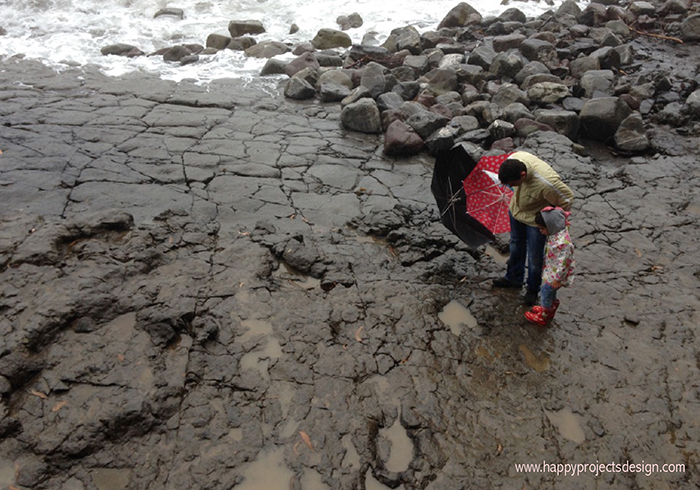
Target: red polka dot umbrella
{"x":487,"y":199}
{"x":452,"y":169}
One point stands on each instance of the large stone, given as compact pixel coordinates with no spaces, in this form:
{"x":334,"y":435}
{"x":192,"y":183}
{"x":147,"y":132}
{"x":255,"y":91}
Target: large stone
{"x":217,"y":41}
{"x":525,"y":127}
{"x":374,"y":79}
{"x":563,"y":122}
{"x":337,"y":77}
{"x":596,"y":83}
{"x":539,"y":50}
{"x":170,"y":11}
{"x":362,"y":116}
{"x":548,"y":93}
{"x":630,"y":136}
{"x":690,"y":28}
{"x":508,"y":94}
{"x":401,"y":140}
{"x":300,"y":62}
{"x":441,"y":80}
{"x":426,"y":123}
{"x":120,"y":49}
{"x":461,"y":15}
{"x":531,"y":68}
{"x":510,"y":41}
{"x":692,"y":105}
{"x":267,"y":49}
{"x":482,"y":56}
{"x":441,"y":140}
{"x":299,"y":89}
{"x":584,"y":64}
{"x":600,"y":118}
{"x":241,"y":43}
{"x":507,"y":64}
{"x":176,"y":53}
{"x":330,"y":39}
{"x":239,"y":28}
{"x":333,"y":92}
{"x":401,"y":38}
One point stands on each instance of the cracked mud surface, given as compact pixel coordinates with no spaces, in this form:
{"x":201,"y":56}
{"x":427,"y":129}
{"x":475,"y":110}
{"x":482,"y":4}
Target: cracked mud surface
{"x":223,"y":289}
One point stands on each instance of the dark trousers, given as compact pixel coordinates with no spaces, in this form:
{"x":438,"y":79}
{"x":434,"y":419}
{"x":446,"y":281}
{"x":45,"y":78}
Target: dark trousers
{"x":526,"y":247}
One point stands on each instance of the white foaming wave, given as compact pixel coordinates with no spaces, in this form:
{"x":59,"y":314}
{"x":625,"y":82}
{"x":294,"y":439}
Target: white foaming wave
{"x":72,"y":32}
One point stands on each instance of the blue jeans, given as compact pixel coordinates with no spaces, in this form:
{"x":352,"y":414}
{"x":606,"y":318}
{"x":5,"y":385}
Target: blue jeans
{"x":526,"y":246}
{"x":549,"y":295}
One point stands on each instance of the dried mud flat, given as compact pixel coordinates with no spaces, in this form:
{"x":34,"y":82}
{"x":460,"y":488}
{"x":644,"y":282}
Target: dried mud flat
{"x":223,"y":289}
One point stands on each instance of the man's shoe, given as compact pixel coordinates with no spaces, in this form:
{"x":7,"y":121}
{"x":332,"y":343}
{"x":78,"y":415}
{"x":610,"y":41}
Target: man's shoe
{"x":502,"y":282}
{"x":530,"y":298}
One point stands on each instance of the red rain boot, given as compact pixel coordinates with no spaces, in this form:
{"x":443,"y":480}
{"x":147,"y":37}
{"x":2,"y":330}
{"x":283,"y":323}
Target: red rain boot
{"x":538,"y":308}
{"x":542,"y":317}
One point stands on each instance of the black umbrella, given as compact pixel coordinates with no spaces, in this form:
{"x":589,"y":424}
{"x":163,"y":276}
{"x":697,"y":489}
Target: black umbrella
{"x":451,"y":167}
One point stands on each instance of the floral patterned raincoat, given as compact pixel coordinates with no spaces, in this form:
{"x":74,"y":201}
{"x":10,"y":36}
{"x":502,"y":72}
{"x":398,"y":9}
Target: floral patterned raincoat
{"x":559,"y":259}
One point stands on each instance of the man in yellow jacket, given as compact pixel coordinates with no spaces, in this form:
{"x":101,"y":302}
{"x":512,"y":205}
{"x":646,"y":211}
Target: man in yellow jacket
{"x":535,"y":185}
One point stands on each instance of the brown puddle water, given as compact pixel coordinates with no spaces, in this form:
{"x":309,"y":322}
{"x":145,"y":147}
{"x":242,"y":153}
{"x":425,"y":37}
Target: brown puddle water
{"x":455,"y":315}
{"x":568,"y":424}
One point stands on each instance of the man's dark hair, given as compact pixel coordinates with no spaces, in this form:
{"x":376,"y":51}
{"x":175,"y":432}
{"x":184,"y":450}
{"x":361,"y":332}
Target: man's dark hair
{"x":510,"y":170}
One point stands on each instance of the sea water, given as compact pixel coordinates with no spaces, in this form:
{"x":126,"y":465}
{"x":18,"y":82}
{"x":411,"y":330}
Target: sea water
{"x":65,"y":33}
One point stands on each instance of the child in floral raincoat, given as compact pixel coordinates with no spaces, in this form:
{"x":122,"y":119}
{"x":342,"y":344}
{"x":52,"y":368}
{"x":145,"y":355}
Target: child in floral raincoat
{"x":559,"y":262}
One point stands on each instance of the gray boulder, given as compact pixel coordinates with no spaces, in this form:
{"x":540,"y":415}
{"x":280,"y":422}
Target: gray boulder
{"x":274,"y":66}
{"x":584,"y":64}
{"x":539,"y":50}
{"x":241,"y":43}
{"x":548,"y":92}
{"x":516,"y":110}
{"x":402,"y":140}
{"x":176,"y":53}
{"x":471,"y":74}
{"x":117,"y":49}
{"x":630,"y":136}
{"x":355,"y":94}
{"x":563,"y":122}
{"x":404,"y":38}
{"x":267,"y":49}
{"x":441,"y":140}
{"x":690,"y":28}
{"x":441,"y":80}
{"x":508,"y":94}
{"x":299,"y":89}
{"x":217,"y":41}
{"x":337,"y":77}
{"x":597,"y":83}
{"x":507,"y":42}
{"x":172,"y":12}
{"x":526,"y":126}
{"x":300,"y":62}
{"x":374,"y":79}
{"x":608,"y":57}
{"x":464,"y":124}
{"x":331,"y":38}
{"x":600,"y":118}
{"x":461,"y":15}
{"x":333,"y":92}
{"x":239,"y":28}
{"x":426,"y":123}
{"x":482,"y":56}
{"x":531,"y":68}
{"x":390,"y":100}
{"x":507,"y":64}
{"x":362,"y":116}
{"x":501,"y":129}
{"x":692,"y":105}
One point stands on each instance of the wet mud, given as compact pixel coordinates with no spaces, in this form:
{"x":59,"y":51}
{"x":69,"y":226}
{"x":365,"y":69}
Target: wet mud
{"x":223,"y":289}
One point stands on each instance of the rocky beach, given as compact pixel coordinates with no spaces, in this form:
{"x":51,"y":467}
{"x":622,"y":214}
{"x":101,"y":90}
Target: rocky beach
{"x":226,"y":286}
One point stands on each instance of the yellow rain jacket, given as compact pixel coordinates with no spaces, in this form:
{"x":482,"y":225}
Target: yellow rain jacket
{"x":542,"y":187}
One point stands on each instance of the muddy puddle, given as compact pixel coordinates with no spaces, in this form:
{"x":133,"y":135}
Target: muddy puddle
{"x":457,"y":316}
